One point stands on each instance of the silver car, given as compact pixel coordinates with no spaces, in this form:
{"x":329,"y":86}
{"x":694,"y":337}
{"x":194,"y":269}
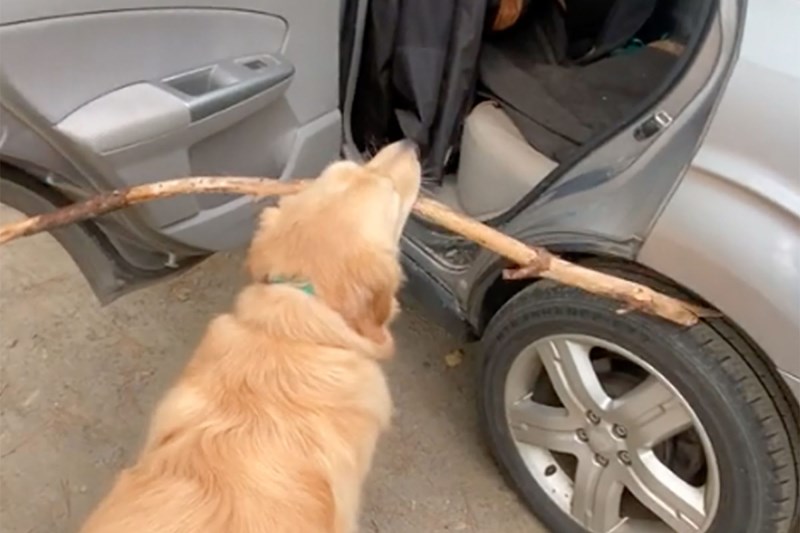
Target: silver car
{"x":670,"y":157}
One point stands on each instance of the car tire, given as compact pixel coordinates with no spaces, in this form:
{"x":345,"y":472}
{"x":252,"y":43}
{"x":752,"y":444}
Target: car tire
{"x":738,"y":400}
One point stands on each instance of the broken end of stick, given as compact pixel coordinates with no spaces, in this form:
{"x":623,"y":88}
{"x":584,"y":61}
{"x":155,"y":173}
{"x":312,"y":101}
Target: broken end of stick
{"x":703,"y":312}
{"x":693,"y":314}
{"x":685,"y":314}
{"x":636,"y":298}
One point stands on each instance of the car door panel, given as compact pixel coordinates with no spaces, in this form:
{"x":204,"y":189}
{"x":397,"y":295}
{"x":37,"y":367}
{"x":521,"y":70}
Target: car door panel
{"x":142,"y":90}
{"x":102,"y":51}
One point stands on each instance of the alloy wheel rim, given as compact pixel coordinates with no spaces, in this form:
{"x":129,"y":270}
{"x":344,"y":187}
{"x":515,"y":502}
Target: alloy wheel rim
{"x":614,"y":440}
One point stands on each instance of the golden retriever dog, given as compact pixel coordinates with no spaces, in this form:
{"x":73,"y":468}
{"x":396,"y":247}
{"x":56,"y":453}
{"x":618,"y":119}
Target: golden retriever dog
{"x":273,"y":424}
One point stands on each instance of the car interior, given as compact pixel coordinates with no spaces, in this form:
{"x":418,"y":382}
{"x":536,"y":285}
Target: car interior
{"x":537,"y":94}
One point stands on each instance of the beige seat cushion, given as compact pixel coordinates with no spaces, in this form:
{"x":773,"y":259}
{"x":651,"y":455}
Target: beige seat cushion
{"x":497,"y":165}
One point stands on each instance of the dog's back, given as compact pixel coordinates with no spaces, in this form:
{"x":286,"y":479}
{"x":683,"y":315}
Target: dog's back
{"x":261,"y":434}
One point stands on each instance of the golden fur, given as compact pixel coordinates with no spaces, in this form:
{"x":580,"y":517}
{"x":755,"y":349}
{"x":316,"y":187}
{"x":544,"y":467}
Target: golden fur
{"x":273,"y":424}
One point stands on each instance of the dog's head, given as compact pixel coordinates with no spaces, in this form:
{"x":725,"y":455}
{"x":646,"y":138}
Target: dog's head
{"x":341,"y":236}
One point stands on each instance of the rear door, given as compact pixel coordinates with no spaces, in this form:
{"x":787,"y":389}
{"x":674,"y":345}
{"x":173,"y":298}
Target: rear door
{"x":100,"y":94}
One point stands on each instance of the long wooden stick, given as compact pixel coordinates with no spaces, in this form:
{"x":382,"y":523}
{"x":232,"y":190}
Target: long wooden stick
{"x":111,"y":201}
{"x":534,"y":261}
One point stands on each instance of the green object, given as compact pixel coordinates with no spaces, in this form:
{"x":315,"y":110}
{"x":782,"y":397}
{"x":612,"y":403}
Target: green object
{"x":304,"y":286}
{"x":632,"y":46}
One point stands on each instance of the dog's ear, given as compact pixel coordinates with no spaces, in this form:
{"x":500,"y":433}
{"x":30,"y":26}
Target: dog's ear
{"x":373,"y":323}
{"x":363,"y":292}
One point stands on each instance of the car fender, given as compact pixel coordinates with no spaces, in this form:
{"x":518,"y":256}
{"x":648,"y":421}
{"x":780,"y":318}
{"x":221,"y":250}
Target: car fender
{"x":738,"y":252}
{"x":731,"y":232}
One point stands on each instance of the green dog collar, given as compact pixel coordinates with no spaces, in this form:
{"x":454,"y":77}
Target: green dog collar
{"x":304,"y":286}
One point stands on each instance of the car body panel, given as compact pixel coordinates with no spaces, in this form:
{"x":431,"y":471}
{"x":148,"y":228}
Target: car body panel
{"x":737,"y":252}
{"x":793,"y":382}
{"x":731,"y":232}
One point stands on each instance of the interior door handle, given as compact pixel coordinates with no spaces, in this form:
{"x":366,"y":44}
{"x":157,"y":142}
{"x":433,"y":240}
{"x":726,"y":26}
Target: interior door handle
{"x":212,"y":89}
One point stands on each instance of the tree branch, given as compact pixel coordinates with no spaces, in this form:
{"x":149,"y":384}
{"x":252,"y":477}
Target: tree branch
{"x":534,"y":261}
{"x":114,"y":200}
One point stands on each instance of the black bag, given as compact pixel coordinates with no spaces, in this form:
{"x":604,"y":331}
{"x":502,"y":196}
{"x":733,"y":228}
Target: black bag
{"x":588,"y":40}
{"x":418,"y":74}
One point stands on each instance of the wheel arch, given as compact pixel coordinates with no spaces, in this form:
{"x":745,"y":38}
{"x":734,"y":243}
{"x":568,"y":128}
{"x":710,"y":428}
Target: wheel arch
{"x":495,"y":292}
{"x":489,"y":291}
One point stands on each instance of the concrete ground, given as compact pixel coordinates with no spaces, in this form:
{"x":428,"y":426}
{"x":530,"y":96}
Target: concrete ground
{"x":79,"y":381}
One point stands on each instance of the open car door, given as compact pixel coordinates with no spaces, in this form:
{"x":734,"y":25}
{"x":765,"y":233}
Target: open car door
{"x":103,"y":94}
